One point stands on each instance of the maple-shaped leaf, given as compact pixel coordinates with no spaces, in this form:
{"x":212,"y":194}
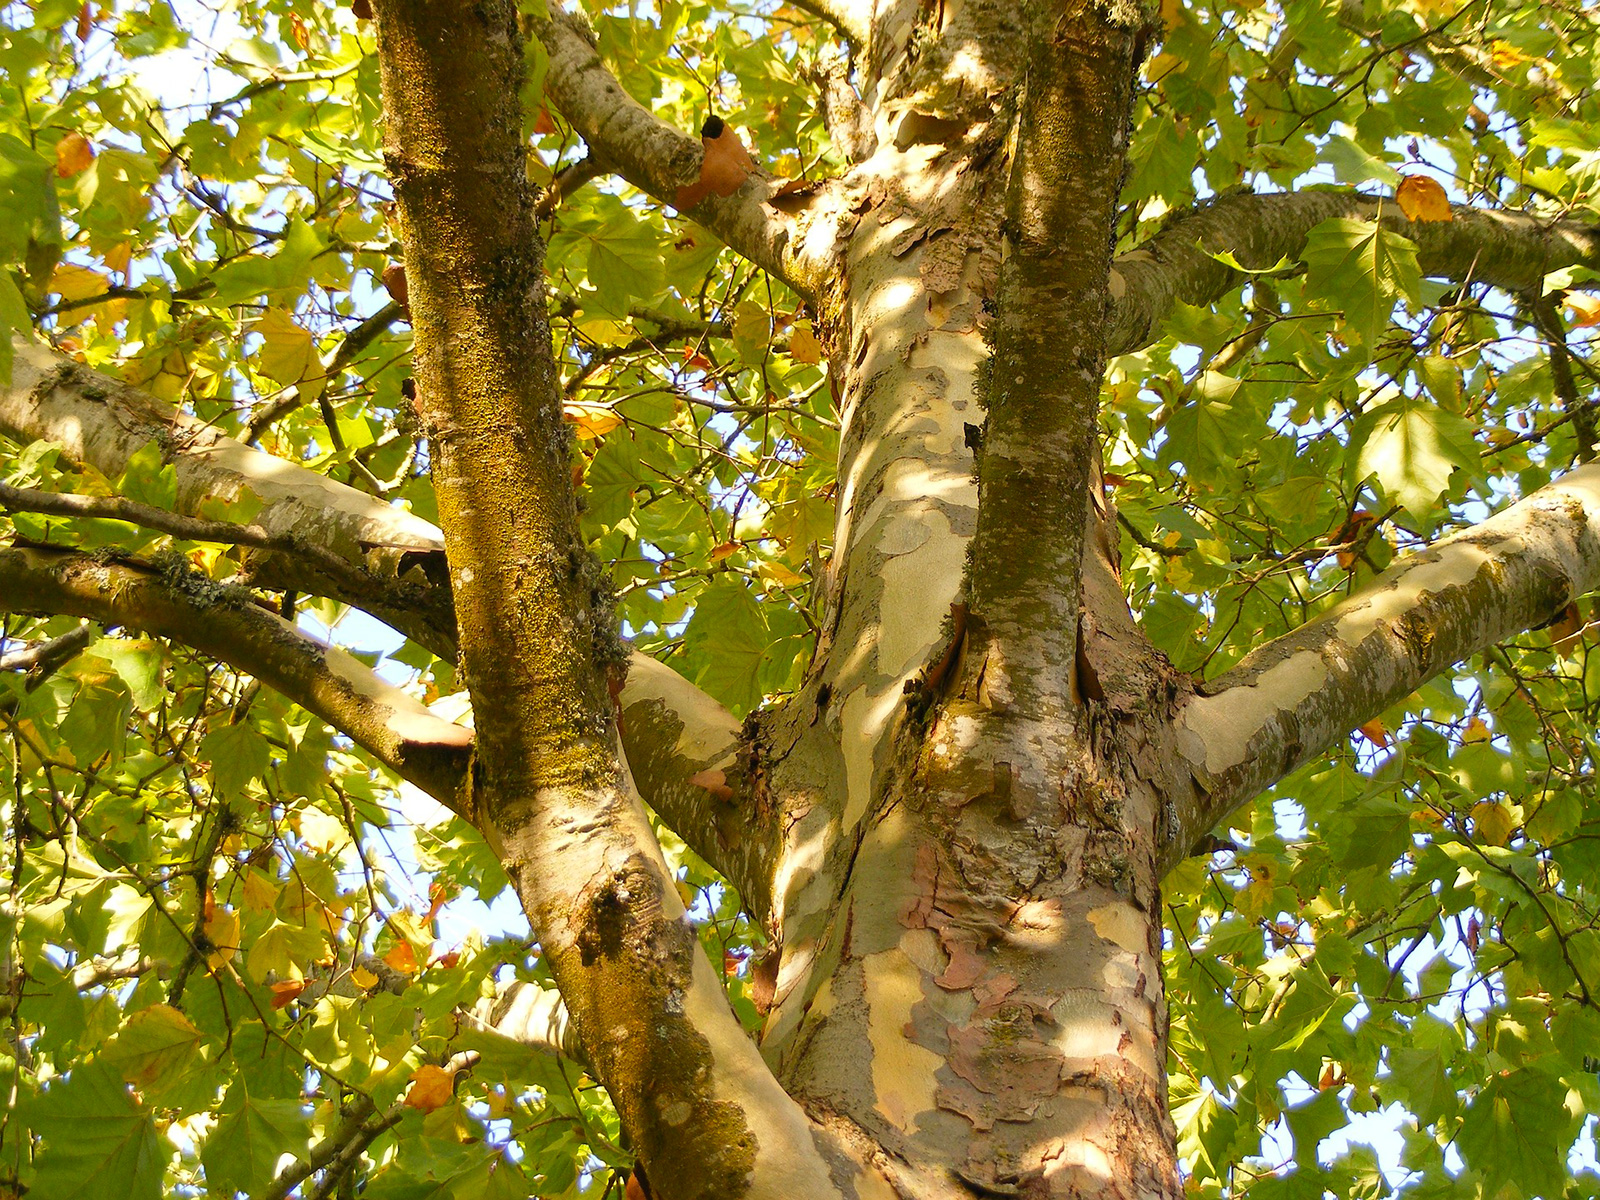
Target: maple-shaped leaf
{"x":803,"y":344}
{"x":725,"y":166}
{"x":431,"y":1088}
{"x":1423,"y":199}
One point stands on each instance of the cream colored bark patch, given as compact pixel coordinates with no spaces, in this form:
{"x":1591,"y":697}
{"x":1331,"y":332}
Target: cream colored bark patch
{"x":1227,"y":722}
{"x":866,"y":716}
{"x":1122,"y":924}
{"x":902,"y":1071}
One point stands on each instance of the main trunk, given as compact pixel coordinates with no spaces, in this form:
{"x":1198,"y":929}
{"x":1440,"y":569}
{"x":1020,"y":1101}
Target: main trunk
{"x":968,"y":896}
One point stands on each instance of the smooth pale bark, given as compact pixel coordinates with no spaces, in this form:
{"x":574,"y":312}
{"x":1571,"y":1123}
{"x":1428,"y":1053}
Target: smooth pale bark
{"x":224,"y":623}
{"x":99,"y":420}
{"x":1290,"y":701}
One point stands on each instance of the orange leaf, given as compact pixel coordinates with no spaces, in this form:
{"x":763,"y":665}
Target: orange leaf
{"x":394,"y":282}
{"x":297,"y":26}
{"x":590,"y":421}
{"x":543,"y":123}
{"x":285,"y":992}
{"x":1476,"y":731}
{"x":402,"y":958}
{"x":724,"y":168}
{"x":714,"y":781}
{"x":73,"y":154}
{"x":1585,"y":308}
{"x":1374,"y":732}
{"x":430,"y":1088}
{"x":1423,"y":199}
{"x":1350,"y":532}
{"x":85,"y":22}
{"x":722,"y":550}
{"x":1566,"y":631}
{"x":438,"y":895}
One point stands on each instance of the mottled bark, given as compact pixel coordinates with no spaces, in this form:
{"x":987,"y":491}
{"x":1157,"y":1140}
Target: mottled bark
{"x":537,"y":639}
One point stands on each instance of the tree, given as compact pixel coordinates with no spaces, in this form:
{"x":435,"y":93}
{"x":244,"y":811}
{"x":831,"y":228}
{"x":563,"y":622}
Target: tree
{"x":1056,"y":782}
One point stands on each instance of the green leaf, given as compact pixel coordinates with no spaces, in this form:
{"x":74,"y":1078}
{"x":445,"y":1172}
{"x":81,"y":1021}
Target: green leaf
{"x":238,"y":754}
{"x":1362,"y":270}
{"x":1413,"y":447}
{"x":1516,"y":1132}
{"x":154,"y":1049}
{"x":242,"y":1152}
{"x":149,"y":478}
{"x":98,"y":1142}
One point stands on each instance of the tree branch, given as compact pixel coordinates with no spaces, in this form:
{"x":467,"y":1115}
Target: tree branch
{"x":1293,"y":699}
{"x":1508,"y":250}
{"x":226,"y":624}
{"x":671,"y":729}
{"x":658,"y":159}
{"x":99,"y":420}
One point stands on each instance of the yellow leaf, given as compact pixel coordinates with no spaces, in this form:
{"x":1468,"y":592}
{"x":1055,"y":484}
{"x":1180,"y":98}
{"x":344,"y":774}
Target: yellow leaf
{"x":780,"y":574}
{"x":803,"y":344}
{"x":363,"y":978}
{"x":72,"y":282}
{"x":1492,"y":822}
{"x":1476,"y":731}
{"x":588,"y":420}
{"x":1585,"y":308}
{"x":288,"y":353}
{"x":430,"y":1088}
{"x":73,"y":154}
{"x":1423,"y":199}
{"x":222,"y":930}
{"x":260,"y":894}
{"x":1162,"y":65}
{"x":722,"y":550}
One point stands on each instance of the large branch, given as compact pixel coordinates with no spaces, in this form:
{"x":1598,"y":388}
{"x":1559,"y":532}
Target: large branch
{"x":1293,"y":699}
{"x":99,"y":420}
{"x":658,"y":160}
{"x":221,"y":622}
{"x":691,"y":1091}
{"x":672,"y":730}
{"x":1508,"y":250}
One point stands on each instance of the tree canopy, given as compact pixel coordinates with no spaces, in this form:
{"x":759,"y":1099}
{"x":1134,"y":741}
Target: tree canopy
{"x":1352,"y":311}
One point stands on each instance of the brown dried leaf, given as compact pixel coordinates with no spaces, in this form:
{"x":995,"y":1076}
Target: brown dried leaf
{"x":394,"y":282}
{"x":723,"y":169}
